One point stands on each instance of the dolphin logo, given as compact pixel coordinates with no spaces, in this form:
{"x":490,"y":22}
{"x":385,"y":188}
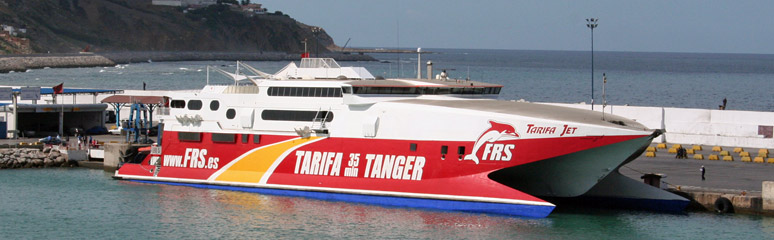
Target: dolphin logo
{"x":496,"y":132}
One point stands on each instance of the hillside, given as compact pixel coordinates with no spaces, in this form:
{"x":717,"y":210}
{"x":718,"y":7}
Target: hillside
{"x":66,"y":26}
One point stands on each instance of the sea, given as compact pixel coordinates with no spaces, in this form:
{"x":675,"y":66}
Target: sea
{"x":81,"y":203}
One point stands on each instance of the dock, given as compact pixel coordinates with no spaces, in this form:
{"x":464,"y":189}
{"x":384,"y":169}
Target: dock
{"x":741,"y":182}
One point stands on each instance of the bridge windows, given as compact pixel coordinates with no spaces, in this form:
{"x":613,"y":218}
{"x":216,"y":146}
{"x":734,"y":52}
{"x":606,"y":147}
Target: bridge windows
{"x":304,"y":92}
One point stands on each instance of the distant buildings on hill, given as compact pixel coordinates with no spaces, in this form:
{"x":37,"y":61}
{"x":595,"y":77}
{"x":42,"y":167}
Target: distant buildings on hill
{"x":12,"y":40}
{"x":251,"y":8}
{"x":184,"y":3}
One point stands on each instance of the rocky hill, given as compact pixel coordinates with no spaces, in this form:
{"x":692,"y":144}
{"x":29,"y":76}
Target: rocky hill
{"x":66,"y":26}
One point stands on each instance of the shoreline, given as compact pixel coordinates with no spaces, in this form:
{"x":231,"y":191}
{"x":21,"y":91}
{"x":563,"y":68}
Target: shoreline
{"x":20,"y":63}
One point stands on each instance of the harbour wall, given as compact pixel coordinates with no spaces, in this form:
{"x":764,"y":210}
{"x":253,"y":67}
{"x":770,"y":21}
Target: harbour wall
{"x":730,"y":201}
{"x":21,"y":63}
{"x":749,"y":129}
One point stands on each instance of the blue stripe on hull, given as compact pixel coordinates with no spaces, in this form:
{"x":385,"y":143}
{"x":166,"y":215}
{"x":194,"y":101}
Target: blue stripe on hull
{"x":534,"y":211}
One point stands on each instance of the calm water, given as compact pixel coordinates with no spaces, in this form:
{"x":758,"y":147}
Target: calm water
{"x":87,"y":204}
{"x":643,"y":79}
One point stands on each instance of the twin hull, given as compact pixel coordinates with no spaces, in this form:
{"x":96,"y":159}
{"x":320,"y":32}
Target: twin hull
{"x":484,"y":170}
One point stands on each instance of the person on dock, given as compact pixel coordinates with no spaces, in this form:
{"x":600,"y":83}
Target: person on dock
{"x":724,"y":103}
{"x":702,"y":172}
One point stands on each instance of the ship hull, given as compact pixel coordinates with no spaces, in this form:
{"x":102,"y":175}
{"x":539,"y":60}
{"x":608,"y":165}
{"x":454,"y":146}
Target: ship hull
{"x":382,"y":172}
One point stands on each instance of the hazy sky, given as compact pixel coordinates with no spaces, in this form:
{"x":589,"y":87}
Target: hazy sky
{"x":646,"y":25}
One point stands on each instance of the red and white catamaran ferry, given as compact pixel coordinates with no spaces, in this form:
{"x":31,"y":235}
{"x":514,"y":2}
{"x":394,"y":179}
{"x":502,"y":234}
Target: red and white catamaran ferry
{"x":323,"y":131}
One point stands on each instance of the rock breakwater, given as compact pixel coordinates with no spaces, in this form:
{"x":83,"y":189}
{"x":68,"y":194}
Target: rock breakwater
{"x":20,"y":63}
{"x":33,"y":158}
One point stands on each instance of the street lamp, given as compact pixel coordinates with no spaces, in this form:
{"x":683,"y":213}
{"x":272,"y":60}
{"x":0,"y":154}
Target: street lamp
{"x":316,"y":32}
{"x":592,"y":23}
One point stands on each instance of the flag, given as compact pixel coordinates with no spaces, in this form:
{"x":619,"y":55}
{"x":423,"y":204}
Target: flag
{"x":58,"y":89}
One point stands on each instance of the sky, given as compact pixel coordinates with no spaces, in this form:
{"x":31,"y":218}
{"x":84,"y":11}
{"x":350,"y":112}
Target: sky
{"x":710,"y":26}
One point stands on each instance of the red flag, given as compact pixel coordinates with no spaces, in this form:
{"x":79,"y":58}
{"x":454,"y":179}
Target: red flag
{"x":58,"y":89}
{"x":305,"y":55}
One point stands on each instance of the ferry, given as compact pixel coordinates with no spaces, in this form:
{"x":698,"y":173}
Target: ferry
{"x":323,"y":131}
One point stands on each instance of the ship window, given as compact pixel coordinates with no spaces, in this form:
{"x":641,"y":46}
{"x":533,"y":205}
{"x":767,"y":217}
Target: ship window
{"x":347,"y":90}
{"x":288,"y":115}
{"x":461,"y":150}
{"x":413,"y":147}
{"x":189,"y":136}
{"x":230,"y":113}
{"x":256,"y":138}
{"x":497,"y":90}
{"x":224,"y":137}
{"x":194,"y":104}
{"x":214,"y":105}
{"x":444,"y":149}
{"x":177,"y":104}
{"x":245,"y":138}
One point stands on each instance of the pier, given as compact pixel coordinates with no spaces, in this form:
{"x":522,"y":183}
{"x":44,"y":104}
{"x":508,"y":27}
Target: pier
{"x":362,"y":51}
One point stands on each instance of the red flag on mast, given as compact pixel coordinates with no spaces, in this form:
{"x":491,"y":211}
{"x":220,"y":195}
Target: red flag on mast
{"x":58,"y":89}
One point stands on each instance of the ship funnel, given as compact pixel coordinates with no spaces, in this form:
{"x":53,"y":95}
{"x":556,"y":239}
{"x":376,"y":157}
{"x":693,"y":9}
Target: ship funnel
{"x":429,"y":70}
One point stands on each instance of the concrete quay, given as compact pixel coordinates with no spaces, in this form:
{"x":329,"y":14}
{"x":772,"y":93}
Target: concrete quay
{"x":744,"y":184}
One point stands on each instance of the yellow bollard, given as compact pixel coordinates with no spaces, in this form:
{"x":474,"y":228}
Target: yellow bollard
{"x":698,"y":156}
{"x":690,"y":151}
{"x":650,"y":154}
{"x":661,"y":146}
{"x":672,"y":150}
{"x":746,"y":159}
{"x":676,"y":145}
{"x":728,"y":158}
{"x":724,"y":153}
{"x":763,"y":151}
{"x":717,"y":149}
{"x":770,"y":160}
{"x":758,"y":160}
{"x":738,"y":150}
{"x":696,"y":147}
{"x":763,"y":155}
{"x":712,"y":157}
{"x":650,"y":149}
{"x":744,"y":154}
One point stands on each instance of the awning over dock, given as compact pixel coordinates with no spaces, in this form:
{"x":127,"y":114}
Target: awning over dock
{"x":134,"y":99}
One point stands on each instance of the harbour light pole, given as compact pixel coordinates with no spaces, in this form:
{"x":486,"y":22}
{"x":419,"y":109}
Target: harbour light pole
{"x":592,"y":23}
{"x":316,"y":32}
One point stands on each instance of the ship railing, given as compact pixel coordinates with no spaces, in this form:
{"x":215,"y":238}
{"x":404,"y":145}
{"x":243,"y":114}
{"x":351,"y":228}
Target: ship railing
{"x":319,"y":122}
